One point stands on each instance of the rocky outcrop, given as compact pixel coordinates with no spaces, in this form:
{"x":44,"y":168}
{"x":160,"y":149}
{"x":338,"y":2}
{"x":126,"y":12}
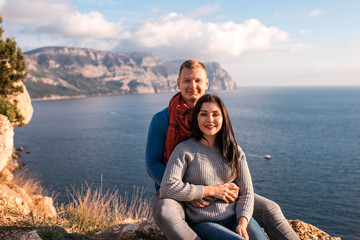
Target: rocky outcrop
{"x":6,"y":141}
{"x":18,"y":197}
{"x":55,"y":72}
{"x":23,"y":104}
{"x":218,"y":74}
{"x":148,"y":229}
{"x":308,"y":231}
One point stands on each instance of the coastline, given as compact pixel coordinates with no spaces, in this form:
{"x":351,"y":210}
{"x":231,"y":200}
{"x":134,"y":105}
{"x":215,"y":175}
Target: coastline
{"x":56,"y":97}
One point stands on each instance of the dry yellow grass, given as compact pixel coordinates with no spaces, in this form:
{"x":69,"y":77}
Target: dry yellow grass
{"x":28,"y":183}
{"x":90,"y":209}
{"x":28,"y":192}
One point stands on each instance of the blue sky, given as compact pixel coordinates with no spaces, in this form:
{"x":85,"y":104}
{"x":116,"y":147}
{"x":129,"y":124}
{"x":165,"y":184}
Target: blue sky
{"x":260,"y":43}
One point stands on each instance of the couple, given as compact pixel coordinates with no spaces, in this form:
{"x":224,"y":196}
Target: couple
{"x":199,"y":179}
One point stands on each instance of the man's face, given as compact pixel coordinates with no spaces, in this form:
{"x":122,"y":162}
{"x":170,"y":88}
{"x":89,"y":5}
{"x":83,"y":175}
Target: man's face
{"x":192,"y":84}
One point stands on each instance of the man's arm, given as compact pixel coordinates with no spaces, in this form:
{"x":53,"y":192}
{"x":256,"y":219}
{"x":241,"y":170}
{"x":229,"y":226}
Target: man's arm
{"x":154,"y":154}
{"x":245,"y":203}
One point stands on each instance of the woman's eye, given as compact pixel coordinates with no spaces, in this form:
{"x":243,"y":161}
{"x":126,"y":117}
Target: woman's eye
{"x":203,"y":114}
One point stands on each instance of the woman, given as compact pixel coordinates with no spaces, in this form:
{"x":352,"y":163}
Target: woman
{"x":206,"y":166}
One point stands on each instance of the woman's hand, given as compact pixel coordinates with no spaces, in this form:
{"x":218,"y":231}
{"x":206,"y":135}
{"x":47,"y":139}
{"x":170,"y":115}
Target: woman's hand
{"x":227,"y":192}
{"x":241,"y":228}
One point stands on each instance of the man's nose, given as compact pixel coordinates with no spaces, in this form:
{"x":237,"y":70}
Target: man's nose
{"x":193,"y":83}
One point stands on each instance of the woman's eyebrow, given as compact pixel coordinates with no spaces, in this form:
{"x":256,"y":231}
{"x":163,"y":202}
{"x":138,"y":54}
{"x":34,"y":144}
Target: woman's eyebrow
{"x":210,"y":111}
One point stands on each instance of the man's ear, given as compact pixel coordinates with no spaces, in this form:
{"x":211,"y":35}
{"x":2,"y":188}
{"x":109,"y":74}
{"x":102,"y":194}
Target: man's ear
{"x":178,"y":83}
{"x":207,"y":84}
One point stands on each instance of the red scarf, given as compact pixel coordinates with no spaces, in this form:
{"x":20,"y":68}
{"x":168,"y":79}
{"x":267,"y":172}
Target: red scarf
{"x":179,"y":125}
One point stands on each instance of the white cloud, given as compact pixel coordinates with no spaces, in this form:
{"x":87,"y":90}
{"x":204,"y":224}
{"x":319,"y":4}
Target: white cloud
{"x":175,"y":35}
{"x":35,"y":12}
{"x":315,"y":13}
{"x":59,"y":19}
{"x":169,"y":36}
{"x":2,"y":4}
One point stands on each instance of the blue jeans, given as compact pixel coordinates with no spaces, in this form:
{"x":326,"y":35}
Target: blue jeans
{"x":226,"y":229}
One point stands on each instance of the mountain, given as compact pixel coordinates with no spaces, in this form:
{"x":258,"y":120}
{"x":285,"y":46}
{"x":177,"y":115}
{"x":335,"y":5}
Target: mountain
{"x":55,"y":72}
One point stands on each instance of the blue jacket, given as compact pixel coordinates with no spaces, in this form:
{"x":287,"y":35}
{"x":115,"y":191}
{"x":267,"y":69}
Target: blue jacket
{"x":154,"y":153}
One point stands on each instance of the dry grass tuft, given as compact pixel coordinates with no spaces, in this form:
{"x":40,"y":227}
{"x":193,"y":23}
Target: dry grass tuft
{"x":92,"y":210}
{"x":28,"y":183}
{"x":89,"y":209}
{"x":32,"y":194}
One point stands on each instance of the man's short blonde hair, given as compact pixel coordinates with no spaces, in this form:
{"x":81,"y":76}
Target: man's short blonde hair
{"x":192,"y":64}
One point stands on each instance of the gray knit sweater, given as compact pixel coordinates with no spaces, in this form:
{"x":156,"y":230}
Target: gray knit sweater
{"x":193,"y":165}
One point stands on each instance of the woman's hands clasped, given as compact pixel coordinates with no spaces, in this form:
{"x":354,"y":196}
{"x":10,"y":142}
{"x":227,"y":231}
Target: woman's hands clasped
{"x":228,"y":192}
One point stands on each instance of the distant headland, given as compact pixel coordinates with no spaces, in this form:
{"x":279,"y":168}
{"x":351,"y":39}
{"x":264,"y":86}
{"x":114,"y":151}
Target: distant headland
{"x":63,"y":72}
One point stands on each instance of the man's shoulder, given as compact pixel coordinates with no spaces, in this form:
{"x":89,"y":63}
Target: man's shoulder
{"x":160,"y":119}
{"x":163,"y":113}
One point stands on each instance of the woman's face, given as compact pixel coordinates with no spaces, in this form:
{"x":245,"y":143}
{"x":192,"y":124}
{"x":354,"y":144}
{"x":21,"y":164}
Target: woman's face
{"x":210,"y":119}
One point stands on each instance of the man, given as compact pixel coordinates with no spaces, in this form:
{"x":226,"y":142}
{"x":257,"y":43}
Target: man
{"x":172,"y":126}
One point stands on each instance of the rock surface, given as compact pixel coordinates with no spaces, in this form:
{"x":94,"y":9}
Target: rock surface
{"x":18,"y":197}
{"x":30,"y":236}
{"x":308,"y":231}
{"x":6,"y":141}
{"x":148,"y":229}
{"x":57,"y":72}
{"x":24,"y":104}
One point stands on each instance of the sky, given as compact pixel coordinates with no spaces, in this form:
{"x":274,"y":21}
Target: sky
{"x":259,"y":43}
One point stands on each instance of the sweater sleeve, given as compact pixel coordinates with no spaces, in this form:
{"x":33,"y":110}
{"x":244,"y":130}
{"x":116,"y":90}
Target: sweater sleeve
{"x":245,"y":202}
{"x":172,"y":185}
{"x":154,"y":154}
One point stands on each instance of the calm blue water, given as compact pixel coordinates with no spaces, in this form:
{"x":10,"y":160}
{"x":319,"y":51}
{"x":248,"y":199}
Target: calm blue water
{"x":312,"y":134}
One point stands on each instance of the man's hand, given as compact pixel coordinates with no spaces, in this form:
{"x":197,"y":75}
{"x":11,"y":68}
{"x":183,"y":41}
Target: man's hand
{"x":241,"y":228}
{"x":201,"y":202}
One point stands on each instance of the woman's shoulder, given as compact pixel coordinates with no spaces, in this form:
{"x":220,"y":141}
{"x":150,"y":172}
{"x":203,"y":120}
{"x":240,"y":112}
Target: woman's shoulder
{"x":241,"y":152}
{"x":187,"y":144}
{"x":184,"y":150}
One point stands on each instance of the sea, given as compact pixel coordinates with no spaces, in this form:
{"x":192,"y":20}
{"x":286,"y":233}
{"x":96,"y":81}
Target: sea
{"x":311,"y":133}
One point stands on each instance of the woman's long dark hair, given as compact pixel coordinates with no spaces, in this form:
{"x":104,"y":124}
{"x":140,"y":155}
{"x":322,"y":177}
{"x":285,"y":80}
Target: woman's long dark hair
{"x":225,"y":138}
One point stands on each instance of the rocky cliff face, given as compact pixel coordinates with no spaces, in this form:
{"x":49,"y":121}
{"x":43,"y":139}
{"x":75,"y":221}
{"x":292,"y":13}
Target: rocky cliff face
{"x":15,"y":198}
{"x":6,"y":141}
{"x":23,"y":104}
{"x":64,"y":71}
{"x":18,"y":197}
